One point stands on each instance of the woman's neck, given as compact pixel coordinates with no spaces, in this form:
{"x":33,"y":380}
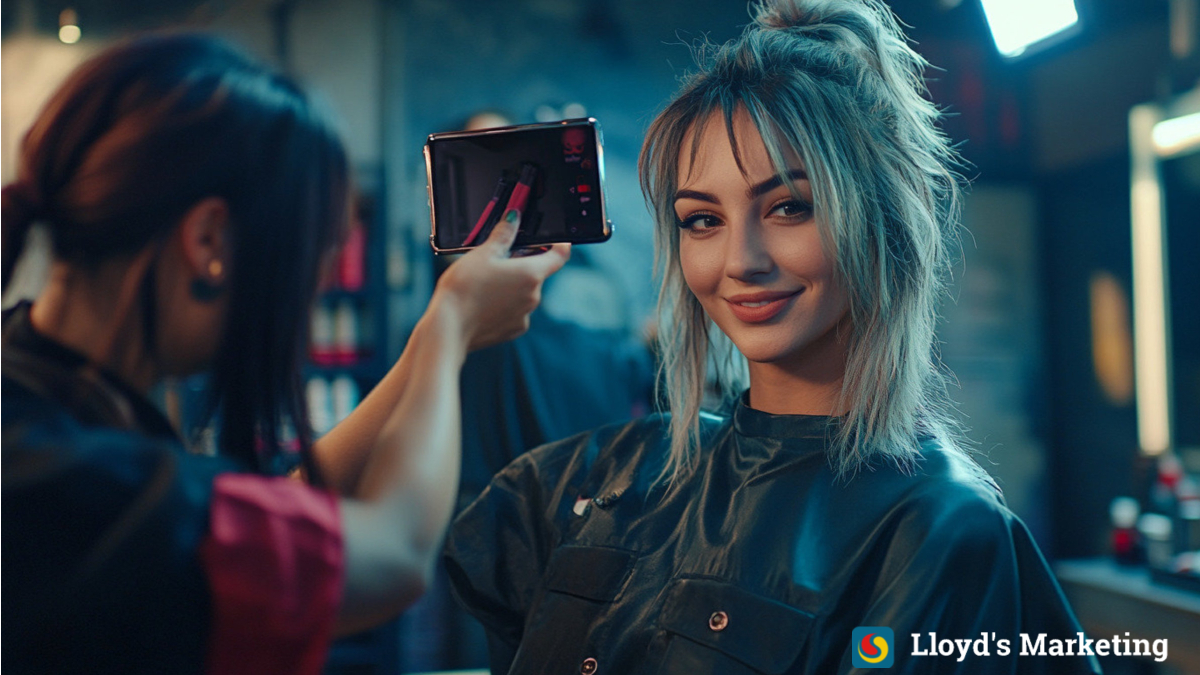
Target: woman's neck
{"x":808,"y":382}
{"x":98,"y":315}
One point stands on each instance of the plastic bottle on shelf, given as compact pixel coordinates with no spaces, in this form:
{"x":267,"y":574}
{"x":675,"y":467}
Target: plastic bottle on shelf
{"x":1126,"y":544}
{"x":320,"y":348}
{"x":345,"y":333}
{"x":344,"y":392}
{"x":1155,"y":530}
{"x":1187,"y":520}
{"x":320,"y":405}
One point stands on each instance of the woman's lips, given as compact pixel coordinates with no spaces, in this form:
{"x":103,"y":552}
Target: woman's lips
{"x":759,"y":307}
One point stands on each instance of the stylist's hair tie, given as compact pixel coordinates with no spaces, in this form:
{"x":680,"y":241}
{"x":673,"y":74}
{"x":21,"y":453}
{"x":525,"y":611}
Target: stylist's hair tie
{"x":23,"y":201}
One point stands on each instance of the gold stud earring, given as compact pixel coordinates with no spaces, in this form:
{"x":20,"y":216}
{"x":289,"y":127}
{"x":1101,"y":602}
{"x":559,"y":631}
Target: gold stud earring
{"x":215,"y":268}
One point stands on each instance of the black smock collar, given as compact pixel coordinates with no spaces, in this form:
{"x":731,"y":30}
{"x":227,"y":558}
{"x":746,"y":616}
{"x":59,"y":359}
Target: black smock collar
{"x":23,"y":340}
{"x":758,"y":424}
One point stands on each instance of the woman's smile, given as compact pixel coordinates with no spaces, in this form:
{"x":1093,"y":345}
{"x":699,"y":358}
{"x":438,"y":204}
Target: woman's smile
{"x":760,"y":307}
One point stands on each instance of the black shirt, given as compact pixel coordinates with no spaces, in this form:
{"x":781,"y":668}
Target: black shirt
{"x":102,"y":513}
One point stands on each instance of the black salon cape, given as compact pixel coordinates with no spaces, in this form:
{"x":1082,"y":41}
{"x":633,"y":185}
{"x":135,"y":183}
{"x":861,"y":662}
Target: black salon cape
{"x":762,"y":531}
{"x":102,"y":514}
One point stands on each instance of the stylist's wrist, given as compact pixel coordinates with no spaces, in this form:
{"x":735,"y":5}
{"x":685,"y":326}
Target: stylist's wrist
{"x":444,"y":322}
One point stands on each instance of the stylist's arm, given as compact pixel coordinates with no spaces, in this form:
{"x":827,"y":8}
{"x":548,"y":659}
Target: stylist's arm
{"x":397,"y":457}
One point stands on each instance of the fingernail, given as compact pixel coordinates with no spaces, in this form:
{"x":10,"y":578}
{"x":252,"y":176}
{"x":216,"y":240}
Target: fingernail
{"x":512,"y":215}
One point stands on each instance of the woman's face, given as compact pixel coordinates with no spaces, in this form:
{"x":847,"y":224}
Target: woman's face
{"x":751,"y":252}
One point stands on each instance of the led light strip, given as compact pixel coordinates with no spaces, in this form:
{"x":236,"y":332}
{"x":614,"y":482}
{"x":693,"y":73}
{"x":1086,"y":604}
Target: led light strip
{"x":1154,"y":136}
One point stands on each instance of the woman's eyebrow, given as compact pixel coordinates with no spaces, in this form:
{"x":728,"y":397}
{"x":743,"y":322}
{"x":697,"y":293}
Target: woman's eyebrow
{"x":695,"y":194}
{"x":775,"y":181}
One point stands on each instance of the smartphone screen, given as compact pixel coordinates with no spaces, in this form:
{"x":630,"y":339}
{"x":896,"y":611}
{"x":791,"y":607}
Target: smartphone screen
{"x":553,"y":173}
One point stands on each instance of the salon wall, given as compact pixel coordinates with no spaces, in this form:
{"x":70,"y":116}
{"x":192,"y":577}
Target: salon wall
{"x":334,"y":47}
{"x":991,"y":340}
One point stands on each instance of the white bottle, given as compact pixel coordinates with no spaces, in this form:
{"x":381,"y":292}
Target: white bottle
{"x":320,"y":407}
{"x":344,"y":392}
{"x":345,"y":333}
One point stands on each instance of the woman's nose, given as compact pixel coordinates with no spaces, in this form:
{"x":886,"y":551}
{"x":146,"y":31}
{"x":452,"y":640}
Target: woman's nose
{"x":746,"y":254}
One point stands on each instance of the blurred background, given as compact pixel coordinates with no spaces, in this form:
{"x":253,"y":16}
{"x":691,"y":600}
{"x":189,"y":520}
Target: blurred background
{"x":1072,"y":326}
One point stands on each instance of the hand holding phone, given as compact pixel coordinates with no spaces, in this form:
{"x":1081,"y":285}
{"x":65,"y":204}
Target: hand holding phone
{"x":553,"y":174}
{"x":491,"y":291}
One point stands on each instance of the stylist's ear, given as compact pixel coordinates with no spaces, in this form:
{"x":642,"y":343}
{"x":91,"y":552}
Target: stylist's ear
{"x":204,"y":239}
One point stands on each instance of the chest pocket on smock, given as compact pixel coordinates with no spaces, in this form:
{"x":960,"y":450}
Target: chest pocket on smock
{"x":717,"y":627}
{"x":581,"y":583}
{"x":590,"y":572}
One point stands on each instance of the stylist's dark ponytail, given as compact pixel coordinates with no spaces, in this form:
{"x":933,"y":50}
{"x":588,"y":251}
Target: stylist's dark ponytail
{"x":140,"y":134}
{"x":21,"y":207}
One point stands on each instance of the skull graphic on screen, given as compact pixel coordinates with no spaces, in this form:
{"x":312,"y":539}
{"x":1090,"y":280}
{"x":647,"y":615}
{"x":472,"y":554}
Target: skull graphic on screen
{"x":573,"y":140}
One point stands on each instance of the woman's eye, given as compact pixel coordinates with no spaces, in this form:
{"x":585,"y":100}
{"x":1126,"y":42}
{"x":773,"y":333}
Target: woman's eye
{"x":699,"y":222}
{"x":793,"y":209}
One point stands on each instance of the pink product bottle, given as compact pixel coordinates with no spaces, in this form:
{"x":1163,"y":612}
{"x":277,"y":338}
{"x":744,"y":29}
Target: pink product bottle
{"x":351,"y":275}
{"x":1126,"y":543}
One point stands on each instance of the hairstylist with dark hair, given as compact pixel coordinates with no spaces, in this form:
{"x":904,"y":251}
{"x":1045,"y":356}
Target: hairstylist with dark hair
{"x":191,"y":197}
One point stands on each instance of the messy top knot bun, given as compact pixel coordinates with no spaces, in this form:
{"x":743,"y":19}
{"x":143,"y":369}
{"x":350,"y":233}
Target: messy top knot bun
{"x":790,"y":14}
{"x":836,"y":82}
{"x":862,"y":30}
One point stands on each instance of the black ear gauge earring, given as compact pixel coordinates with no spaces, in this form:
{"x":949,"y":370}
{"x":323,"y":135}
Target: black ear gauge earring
{"x":205,"y":290}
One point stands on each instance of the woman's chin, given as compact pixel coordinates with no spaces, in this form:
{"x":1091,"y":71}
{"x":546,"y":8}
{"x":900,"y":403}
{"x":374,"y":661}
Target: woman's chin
{"x":764,"y":350}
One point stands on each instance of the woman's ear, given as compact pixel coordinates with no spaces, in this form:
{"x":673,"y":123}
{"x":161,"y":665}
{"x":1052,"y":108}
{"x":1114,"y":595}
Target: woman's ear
{"x":204,"y":241}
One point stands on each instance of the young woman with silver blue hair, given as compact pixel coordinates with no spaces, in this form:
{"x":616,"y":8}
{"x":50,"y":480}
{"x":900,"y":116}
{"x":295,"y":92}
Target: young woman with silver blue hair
{"x":806,"y":206}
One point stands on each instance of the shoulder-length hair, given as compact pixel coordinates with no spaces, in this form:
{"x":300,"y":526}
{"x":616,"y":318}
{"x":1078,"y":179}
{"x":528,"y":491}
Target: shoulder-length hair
{"x":138,"y":135}
{"x":836,"y":82}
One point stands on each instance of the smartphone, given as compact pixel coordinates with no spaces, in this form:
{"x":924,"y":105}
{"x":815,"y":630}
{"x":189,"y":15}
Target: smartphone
{"x":553,"y":173}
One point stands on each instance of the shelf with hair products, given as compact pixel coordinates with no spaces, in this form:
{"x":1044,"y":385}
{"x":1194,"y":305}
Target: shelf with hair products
{"x":347,"y":334}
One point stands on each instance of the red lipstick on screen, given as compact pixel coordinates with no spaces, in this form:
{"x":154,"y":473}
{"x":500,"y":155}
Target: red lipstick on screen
{"x":501,"y":188}
{"x":520,"y":194}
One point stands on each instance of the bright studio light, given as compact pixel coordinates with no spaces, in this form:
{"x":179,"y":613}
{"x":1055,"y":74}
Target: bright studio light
{"x":1177,"y":135}
{"x":69,"y":34}
{"x":1017,"y":24}
{"x":68,"y":26}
